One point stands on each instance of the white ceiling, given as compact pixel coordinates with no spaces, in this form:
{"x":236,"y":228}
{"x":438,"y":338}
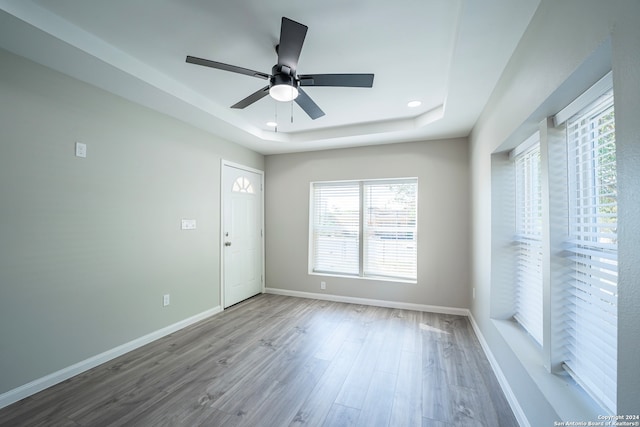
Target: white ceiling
{"x":448,"y":54}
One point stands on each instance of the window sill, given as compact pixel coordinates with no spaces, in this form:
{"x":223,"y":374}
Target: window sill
{"x":568,"y":400}
{"x":370,"y":278}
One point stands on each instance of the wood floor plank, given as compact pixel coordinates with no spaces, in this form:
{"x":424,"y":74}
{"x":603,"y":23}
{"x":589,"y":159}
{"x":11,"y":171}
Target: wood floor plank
{"x":376,"y":409}
{"x":315,"y":408}
{"x":333,"y":345}
{"x":212,"y":417}
{"x":427,"y":422}
{"x":411,"y":335}
{"x":466,"y":408}
{"x":362,"y":317}
{"x":436,"y":393}
{"x":493,"y":397}
{"x":276,"y":360}
{"x":354,"y":389}
{"x":244,"y":363}
{"x":283,"y":404}
{"x":407,"y":399}
{"x":389,"y":358}
{"x":341,"y":416}
{"x":292,"y":350}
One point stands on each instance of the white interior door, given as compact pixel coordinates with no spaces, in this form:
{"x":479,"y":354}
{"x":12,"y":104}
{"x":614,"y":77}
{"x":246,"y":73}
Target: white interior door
{"x":242,"y":207}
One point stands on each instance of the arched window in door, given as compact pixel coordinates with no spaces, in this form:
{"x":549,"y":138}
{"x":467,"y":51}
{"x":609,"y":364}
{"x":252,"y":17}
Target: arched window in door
{"x":243,"y":185}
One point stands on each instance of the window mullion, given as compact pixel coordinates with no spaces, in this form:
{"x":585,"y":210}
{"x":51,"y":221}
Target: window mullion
{"x":555,"y":232}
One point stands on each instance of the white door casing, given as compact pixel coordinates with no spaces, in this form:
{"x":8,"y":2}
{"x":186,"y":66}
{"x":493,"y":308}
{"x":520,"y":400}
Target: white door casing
{"x":242,"y":236}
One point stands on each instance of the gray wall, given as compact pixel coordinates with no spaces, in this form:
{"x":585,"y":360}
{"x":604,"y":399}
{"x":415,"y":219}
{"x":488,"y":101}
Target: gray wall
{"x":443,"y":218}
{"x":561,"y":55}
{"x":89,"y":246}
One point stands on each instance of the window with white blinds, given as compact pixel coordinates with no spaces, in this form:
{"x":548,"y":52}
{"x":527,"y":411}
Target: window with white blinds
{"x":528,"y":240}
{"x":591,"y":294}
{"x":336,"y":228}
{"x":365,"y":228}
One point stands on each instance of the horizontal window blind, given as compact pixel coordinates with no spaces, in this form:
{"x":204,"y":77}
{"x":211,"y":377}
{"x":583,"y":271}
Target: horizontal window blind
{"x":390,"y":229}
{"x":591,"y":297}
{"x":336,"y":228}
{"x":365,"y":228}
{"x":529,"y":294}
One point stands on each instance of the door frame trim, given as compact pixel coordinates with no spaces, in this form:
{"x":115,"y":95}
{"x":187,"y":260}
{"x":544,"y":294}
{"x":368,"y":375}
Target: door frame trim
{"x":224,"y":163}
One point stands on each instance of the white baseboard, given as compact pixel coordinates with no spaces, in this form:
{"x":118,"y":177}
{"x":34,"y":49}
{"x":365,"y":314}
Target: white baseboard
{"x":54,"y":378}
{"x":502,"y":379}
{"x":368,"y":301}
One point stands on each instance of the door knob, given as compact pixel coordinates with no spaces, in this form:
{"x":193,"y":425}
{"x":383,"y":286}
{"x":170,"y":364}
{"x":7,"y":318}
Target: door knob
{"x":227,"y":243}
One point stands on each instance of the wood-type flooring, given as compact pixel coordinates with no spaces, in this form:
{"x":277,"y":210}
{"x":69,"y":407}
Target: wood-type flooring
{"x":283,"y":361}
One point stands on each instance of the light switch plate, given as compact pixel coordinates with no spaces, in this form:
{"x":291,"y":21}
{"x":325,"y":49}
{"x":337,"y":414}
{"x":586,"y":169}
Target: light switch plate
{"x":188,"y":224}
{"x":81,"y":149}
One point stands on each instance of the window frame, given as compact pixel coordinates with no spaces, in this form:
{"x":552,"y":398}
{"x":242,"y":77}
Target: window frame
{"x":592,"y":286}
{"x":528,"y":238}
{"x":362,"y":229}
{"x":568,"y":394}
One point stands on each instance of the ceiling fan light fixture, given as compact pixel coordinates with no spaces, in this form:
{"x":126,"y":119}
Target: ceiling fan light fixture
{"x":283,"y":92}
{"x":283,"y":85}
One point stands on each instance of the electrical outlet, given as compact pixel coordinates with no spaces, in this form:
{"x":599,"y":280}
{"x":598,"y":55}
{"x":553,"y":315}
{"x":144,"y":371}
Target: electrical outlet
{"x":166,"y":300}
{"x":323,"y":285}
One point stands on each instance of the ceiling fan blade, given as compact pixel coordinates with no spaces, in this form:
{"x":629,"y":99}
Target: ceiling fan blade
{"x":292,"y":36}
{"x":342,"y":80}
{"x":227,"y":67}
{"x":255,"y":96}
{"x":307,"y":104}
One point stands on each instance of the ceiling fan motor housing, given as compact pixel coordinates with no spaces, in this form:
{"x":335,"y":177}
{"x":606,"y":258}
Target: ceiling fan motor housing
{"x":283,"y":75}
{"x":283,"y":84}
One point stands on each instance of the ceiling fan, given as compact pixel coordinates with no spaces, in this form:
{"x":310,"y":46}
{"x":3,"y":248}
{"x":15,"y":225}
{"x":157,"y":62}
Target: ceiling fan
{"x":284,"y":82}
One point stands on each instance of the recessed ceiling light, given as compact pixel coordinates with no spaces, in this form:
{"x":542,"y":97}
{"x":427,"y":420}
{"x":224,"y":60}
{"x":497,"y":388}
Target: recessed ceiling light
{"x":272,"y":124}
{"x":414,"y":104}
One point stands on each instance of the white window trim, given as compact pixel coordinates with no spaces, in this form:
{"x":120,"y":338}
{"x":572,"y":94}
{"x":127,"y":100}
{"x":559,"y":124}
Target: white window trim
{"x":528,"y":273}
{"x":595,"y":282}
{"x":583,"y":101}
{"x":361,"y":275}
